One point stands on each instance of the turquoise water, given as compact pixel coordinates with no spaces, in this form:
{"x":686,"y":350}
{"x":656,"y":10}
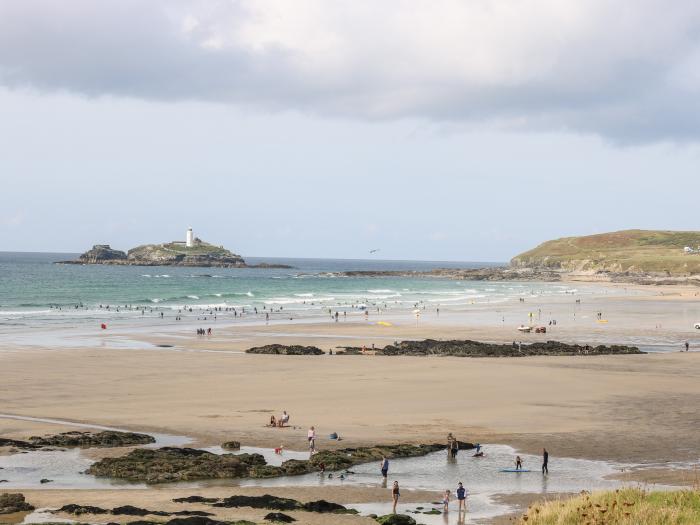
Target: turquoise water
{"x":35,"y":290}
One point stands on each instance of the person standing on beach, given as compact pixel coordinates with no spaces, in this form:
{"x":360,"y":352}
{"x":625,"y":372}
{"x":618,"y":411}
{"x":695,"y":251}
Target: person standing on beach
{"x":395,"y":493}
{"x":461,"y":497}
{"x":545,"y":460}
{"x":385,"y":466}
{"x":454,"y":448}
{"x":312,"y":440}
{"x":687,"y":346}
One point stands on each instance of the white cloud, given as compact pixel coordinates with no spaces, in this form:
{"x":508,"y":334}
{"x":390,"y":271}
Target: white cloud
{"x":626,"y":70}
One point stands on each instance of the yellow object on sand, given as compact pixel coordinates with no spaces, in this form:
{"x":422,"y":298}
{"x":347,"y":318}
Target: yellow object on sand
{"x":602,"y":320}
{"x":384,"y":323}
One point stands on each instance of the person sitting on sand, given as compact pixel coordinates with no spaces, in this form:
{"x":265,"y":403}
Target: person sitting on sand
{"x":395,"y":494}
{"x":446,"y":501}
{"x":273,"y":421}
{"x":284,"y":419}
{"x":518,"y":463}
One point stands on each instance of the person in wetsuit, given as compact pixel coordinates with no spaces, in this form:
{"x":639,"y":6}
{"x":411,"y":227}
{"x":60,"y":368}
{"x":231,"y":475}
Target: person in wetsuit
{"x":545,"y":460}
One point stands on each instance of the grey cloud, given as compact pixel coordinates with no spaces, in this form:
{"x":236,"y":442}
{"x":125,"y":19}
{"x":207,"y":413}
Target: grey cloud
{"x":598,"y":82}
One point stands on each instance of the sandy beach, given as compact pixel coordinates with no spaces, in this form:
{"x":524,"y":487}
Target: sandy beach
{"x":636,"y":409}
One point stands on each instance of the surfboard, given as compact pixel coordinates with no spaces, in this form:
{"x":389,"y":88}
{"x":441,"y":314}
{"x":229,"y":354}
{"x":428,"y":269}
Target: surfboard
{"x":513,"y":470}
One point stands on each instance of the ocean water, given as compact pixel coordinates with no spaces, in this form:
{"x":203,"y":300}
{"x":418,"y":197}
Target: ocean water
{"x":34,"y":290}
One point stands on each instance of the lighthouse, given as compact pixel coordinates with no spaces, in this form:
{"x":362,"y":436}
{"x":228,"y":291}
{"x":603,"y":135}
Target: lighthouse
{"x":189,"y":239}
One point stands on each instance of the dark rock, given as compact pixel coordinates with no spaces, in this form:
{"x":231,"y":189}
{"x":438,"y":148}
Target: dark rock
{"x":466,"y":348}
{"x":11,"y":503}
{"x":130,"y":510}
{"x":327,"y":506}
{"x":17,"y":444}
{"x":176,"y":464}
{"x":279,"y":517}
{"x":260,"y":502}
{"x":231,"y":445}
{"x":101,"y":253}
{"x":107,"y":438}
{"x":196,"y":499}
{"x":191,"y":513}
{"x":44,"y":480}
{"x":77,"y":510}
{"x":285,"y":350}
{"x":396,"y":519}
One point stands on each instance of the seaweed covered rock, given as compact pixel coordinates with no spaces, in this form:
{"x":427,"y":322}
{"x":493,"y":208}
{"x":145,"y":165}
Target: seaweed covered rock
{"x":4,"y":442}
{"x":347,"y":457}
{"x":259,"y":502}
{"x":467,"y":348}
{"x":107,"y":438}
{"x":278,"y":517}
{"x":396,"y":519}
{"x":231,"y":445}
{"x":176,"y":464}
{"x":11,"y":503}
{"x":78,"y":510}
{"x":285,"y":350}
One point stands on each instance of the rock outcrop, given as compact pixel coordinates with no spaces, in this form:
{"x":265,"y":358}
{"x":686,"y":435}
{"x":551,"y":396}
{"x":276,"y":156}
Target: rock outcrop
{"x":285,"y":350}
{"x":107,"y":438}
{"x":466,"y":348}
{"x":101,"y":254}
{"x":269,"y":502}
{"x":176,"y":464}
{"x":170,"y":464}
{"x":11,"y":503}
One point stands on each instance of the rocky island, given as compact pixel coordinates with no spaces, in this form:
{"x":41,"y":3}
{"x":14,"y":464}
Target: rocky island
{"x":192,"y":252}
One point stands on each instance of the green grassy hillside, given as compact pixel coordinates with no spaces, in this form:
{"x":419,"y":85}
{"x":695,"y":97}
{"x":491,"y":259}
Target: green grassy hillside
{"x":623,"y":251}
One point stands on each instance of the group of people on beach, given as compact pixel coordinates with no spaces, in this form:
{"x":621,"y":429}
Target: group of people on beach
{"x":283,"y":420}
{"x":202,"y":331}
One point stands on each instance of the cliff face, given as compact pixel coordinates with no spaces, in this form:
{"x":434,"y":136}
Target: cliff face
{"x":629,"y":251}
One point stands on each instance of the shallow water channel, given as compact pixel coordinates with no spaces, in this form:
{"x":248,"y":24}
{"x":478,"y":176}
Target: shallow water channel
{"x":482,"y":476}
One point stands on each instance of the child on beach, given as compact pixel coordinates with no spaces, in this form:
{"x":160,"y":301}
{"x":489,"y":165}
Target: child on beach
{"x":395,"y":493}
{"x":446,"y":501}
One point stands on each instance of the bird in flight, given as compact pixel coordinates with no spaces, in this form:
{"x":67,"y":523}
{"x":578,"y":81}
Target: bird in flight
{"x":375,"y":250}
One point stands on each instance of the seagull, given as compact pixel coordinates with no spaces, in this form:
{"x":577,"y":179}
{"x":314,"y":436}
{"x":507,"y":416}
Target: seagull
{"x":375,"y":250}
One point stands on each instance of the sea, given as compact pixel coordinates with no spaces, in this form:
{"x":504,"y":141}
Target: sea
{"x":36,"y":291}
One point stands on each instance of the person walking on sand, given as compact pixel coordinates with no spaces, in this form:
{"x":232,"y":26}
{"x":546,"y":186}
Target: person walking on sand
{"x":461,"y":497}
{"x":395,"y":493}
{"x":545,"y":460}
{"x":312,"y":440}
{"x":687,"y":346}
{"x":384,"y":466}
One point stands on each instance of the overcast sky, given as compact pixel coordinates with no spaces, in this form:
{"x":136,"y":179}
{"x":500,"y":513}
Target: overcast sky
{"x":438,"y":130}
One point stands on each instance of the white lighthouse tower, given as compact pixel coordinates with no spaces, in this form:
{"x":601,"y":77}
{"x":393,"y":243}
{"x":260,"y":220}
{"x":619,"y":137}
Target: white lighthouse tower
{"x":189,"y":240}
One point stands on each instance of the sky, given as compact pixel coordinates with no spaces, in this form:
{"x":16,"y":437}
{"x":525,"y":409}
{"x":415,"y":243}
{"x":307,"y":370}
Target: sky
{"x":427,"y":129}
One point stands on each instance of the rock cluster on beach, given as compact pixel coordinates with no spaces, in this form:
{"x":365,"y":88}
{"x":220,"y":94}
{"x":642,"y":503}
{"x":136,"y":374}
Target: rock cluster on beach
{"x":11,"y":503}
{"x":459,"y":348}
{"x":177,"y":464}
{"x":107,"y":438}
{"x":285,"y":350}
{"x":466,"y":348}
{"x":76,"y":439}
{"x":170,"y":464}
